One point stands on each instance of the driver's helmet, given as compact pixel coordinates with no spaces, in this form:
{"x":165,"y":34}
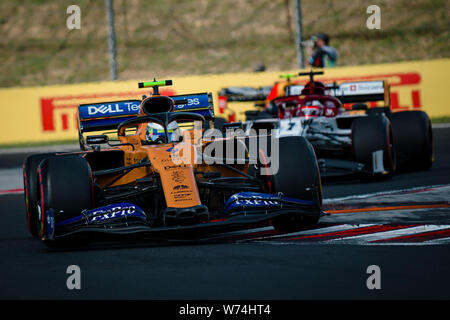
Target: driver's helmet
{"x":155,"y":132}
{"x":312,"y":108}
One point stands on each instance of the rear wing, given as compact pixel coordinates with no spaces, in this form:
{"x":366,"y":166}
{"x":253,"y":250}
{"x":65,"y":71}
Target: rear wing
{"x":347,"y":92}
{"x":352,"y":92}
{"x":245,"y":93}
{"x":363,"y":91}
{"x":200,"y":103}
{"x":108,"y":115}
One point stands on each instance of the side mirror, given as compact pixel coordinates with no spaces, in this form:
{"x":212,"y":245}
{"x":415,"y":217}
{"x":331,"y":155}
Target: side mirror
{"x":359,"y":106}
{"x":97,"y":139}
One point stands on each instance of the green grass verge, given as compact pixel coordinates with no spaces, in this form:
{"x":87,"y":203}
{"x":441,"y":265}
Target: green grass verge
{"x":445,"y":119}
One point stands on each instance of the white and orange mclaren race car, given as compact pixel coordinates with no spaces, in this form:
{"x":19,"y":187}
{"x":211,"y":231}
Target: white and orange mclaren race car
{"x":138,"y":185}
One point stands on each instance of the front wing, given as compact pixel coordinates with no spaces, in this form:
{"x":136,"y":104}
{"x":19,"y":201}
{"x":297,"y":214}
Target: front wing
{"x":241,"y":209}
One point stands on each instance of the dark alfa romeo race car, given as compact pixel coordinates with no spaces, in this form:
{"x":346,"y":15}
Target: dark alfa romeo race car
{"x":137,"y":185}
{"x":372,"y":142}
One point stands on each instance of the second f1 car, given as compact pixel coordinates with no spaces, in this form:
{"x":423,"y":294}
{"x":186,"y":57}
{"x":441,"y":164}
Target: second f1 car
{"x":374,"y":142}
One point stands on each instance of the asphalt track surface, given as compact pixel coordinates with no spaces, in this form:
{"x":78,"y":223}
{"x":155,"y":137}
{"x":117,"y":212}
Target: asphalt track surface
{"x":260,"y":265}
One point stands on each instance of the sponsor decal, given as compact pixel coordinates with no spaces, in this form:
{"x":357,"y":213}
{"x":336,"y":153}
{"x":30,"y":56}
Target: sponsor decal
{"x":178,"y":176}
{"x":253,"y":199}
{"x":111,"y":109}
{"x":59,"y":113}
{"x":172,"y":167}
{"x":114,"y":211}
{"x":361,"y":88}
{"x":103,"y":214}
{"x":180,"y":186}
{"x":182,"y":192}
{"x":193,"y":101}
{"x":244,"y":200}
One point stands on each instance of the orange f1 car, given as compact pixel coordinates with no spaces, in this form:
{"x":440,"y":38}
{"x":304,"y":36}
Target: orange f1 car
{"x":163,"y":175}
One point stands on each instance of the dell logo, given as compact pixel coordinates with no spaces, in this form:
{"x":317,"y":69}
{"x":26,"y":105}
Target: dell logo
{"x":104,"y":109}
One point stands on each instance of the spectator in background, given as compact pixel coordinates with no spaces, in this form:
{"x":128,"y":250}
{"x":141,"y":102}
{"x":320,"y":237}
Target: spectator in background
{"x":322,"y":55}
{"x":260,"y":67}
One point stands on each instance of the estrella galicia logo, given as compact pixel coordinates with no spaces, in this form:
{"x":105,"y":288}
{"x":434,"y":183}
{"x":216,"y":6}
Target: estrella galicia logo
{"x":180,"y":187}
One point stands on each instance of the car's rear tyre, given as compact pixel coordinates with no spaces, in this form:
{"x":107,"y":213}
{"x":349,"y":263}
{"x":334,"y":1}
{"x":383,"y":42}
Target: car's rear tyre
{"x":413,"y":138}
{"x":370,"y":134}
{"x":30,"y":186}
{"x":298,"y":177}
{"x":66,"y":187}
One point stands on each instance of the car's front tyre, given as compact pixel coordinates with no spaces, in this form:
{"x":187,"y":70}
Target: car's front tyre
{"x":298,"y":177}
{"x":65,"y":187}
{"x":30,"y":186}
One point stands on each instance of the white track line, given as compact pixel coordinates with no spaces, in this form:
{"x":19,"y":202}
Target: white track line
{"x":440,"y":125}
{"x":383,"y":193}
{"x":365,"y":239}
{"x":323,"y":243}
{"x":384,"y":235}
{"x":438,"y":241}
{"x":341,"y":227}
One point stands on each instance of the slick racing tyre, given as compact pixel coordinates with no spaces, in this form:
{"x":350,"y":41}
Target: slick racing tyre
{"x":30,"y":186}
{"x":65,"y":187}
{"x":298,"y":177}
{"x":373,"y":145}
{"x":413,"y":139}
